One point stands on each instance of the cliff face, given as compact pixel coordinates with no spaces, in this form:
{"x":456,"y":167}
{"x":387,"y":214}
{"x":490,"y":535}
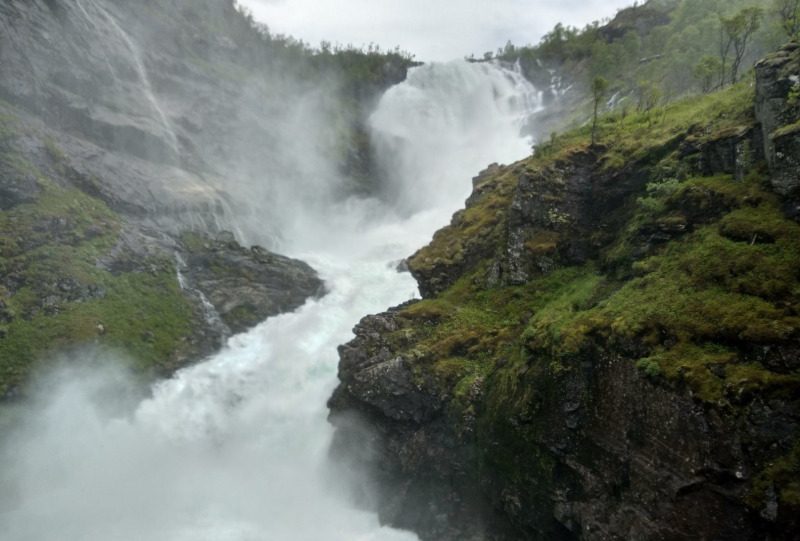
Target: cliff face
{"x":778,"y":108}
{"x":173,"y":108}
{"x":608,"y":342}
{"x":125,"y":125}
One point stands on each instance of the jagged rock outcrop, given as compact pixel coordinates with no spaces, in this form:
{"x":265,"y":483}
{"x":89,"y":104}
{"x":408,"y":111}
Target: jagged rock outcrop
{"x":605,"y":349}
{"x":778,"y":111}
{"x":598,"y":451}
{"x":125,"y":125}
{"x":246,"y":286}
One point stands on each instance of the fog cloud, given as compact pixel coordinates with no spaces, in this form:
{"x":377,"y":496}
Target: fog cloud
{"x":431,"y":29}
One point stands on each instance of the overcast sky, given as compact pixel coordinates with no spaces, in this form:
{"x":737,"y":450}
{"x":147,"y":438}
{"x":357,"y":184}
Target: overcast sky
{"x":430,"y":29}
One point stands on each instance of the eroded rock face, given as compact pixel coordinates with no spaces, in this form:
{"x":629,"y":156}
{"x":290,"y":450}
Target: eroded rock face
{"x":165,"y":110}
{"x":777,"y":81}
{"x":490,"y":417}
{"x":596,"y":452}
{"x":84,"y":74}
{"x":246,"y":286}
{"x":437,"y":266}
{"x":424,"y":470}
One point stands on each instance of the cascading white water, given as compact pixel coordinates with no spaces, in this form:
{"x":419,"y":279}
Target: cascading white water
{"x":212,"y":317}
{"x":471,"y":111}
{"x":236,"y":448}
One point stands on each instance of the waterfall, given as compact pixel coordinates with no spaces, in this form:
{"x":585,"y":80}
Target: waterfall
{"x":93,"y":24}
{"x":212,"y":317}
{"x":135,"y":58}
{"x":472,"y":111}
{"x":235,"y":448}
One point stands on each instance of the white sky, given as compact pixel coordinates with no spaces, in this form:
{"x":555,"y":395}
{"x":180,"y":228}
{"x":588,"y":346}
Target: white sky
{"x":430,"y":29}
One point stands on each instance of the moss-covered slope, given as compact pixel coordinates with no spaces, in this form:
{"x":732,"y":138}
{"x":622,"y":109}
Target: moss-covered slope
{"x":75,"y":272}
{"x":607,"y":348}
{"x":66,"y":277}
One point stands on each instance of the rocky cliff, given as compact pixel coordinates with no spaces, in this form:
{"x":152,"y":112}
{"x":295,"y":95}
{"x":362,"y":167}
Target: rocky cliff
{"x":608,"y":343}
{"x":133,"y":135}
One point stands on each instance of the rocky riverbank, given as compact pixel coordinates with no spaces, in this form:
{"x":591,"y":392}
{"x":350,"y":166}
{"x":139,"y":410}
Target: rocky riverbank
{"x":608,"y":343}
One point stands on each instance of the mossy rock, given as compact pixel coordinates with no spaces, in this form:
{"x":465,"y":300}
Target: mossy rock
{"x":61,"y":287}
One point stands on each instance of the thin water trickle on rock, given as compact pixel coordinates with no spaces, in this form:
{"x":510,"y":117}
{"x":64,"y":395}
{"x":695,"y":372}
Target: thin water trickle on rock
{"x":211,"y":315}
{"x":137,"y":62}
{"x":236,"y":448}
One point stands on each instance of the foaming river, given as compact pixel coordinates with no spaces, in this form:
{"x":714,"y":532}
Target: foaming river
{"x":236,"y":448}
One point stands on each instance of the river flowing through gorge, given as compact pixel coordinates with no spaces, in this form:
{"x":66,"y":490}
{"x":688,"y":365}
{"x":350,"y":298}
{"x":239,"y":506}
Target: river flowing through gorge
{"x":236,"y":448}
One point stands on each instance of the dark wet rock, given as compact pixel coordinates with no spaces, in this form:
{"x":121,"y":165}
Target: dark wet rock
{"x":437,"y":266}
{"x":410,"y":447}
{"x":530,"y":221}
{"x":731,"y":153}
{"x":777,"y":77}
{"x":592,"y":450}
{"x":246,"y":286}
{"x":596,"y":441}
{"x":16,"y":187}
{"x":372,"y":375}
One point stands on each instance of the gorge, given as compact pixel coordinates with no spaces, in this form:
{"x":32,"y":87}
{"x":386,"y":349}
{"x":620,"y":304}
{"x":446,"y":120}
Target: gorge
{"x":234,"y":447}
{"x":195,"y":212}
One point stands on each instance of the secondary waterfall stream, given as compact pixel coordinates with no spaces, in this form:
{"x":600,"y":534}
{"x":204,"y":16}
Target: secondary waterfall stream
{"x":98,"y":15}
{"x":235,"y":448}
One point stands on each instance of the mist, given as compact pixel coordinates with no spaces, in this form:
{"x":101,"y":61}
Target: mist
{"x":237,"y":446}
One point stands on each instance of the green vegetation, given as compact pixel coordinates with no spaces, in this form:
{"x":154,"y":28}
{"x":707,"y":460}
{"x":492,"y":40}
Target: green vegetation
{"x":688,"y":311}
{"x":360,"y":70}
{"x":659,"y":50}
{"x":59,"y":286}
{"x":783,"y":477}
{"x":599,"y":89}
{"x":789,"y":13}
{"x":737,"y":31}
{"x":476,"y":227}
{"x":652,"y":135}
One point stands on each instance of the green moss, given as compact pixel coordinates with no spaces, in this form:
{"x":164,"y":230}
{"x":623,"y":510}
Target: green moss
{"x":789,"y":129}
{"x":194,"y":242}
{"x":143,"y":315}
{"x":56,"y":293}
{"x":8,"y":129}
{"x":54,"y":151}
{"x":543,"y":242}
{"x":649,"y":366}
{"x":566,"y":292}
{"x":781,"y":477}
{"x":733,"y":281}
{"x":757,"y":224}
{"x":242,"y":316}
{"x":461,"y":375}
{"x":637,"y":138}
{"x":481,"y":223}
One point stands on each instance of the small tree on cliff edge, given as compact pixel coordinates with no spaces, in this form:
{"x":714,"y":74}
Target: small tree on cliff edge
{"x":705,"y":72}
{"x":738,"y":30}
{"x":599,"y":88}
{"x":789,"y":13}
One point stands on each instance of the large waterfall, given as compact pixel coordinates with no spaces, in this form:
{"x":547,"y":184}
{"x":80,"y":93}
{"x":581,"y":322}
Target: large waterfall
{"x":236,"y":448}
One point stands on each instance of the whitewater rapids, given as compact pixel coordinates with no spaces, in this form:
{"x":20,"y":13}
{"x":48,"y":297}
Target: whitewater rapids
{"x":236,"y":448}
